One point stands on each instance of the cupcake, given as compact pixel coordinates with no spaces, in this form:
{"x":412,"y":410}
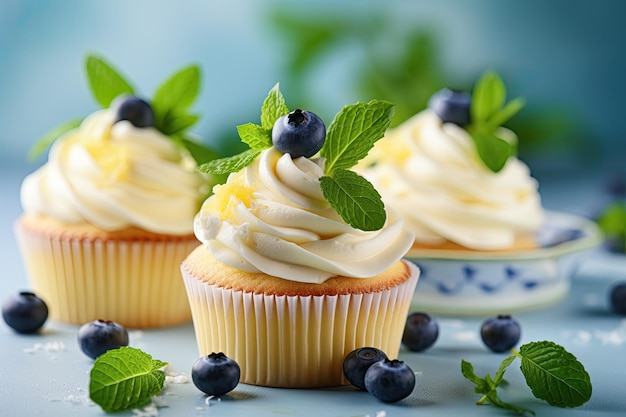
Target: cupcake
{"x":300,"y":261}
{"x":109,"y":217}
{"x":452,"y":173}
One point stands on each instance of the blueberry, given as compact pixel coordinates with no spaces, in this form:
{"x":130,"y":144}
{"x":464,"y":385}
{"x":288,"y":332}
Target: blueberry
{"x":215,"y":374}
{"x":98,"y":336}
{"x":390,"y":380}
{"x":137,"y":111}
{"x":24,"y":312}
{"x":500,"y":333}
{"x":420,"y":332}
{"x":357,"y":362}
{"x":451,"y":106}
{"x":617,"y":297}
{"x":299,"y":133}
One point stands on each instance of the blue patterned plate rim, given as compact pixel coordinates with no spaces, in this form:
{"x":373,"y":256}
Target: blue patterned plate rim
{"x":561,"y":234}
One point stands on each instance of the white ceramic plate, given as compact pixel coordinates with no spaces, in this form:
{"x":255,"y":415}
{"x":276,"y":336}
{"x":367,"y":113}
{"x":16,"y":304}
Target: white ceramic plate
{"x":463,"y":282}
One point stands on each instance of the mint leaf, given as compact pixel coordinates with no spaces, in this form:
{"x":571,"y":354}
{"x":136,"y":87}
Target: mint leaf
{"x":105,"y":82}
{"x":488,"y":111}
{"x":179,"y":91}
{"x":173,"y":122}
{"x":173,"y":98}
{"x":44,"y":143}
{"x":273,"y":107}
{"x":555,"y":375}
{"x":353,"y":133}
{"x":230,"y":164}
{"x":493,"y":151}
{"x":201,"y":154}
{"x":487,"y":98}
{"x":355,"y":199}
{"x":255,"y":136}
{"x":613,"y":220}
{"x":508,"y":111}
{"x":125,"y":378}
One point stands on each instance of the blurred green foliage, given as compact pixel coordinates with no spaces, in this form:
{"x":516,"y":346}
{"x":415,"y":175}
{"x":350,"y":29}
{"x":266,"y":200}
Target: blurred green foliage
{"x":404,"y":68}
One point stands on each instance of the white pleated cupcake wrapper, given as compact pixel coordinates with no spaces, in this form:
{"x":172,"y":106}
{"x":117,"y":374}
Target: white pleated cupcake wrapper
{"x":134,"y":283}
{"x":295,"y":341}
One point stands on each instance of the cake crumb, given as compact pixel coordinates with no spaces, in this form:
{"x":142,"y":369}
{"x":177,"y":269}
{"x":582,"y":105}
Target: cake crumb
{"x":148,"y":411}
{"x":54,"y":346}
{"x":465,"y":336}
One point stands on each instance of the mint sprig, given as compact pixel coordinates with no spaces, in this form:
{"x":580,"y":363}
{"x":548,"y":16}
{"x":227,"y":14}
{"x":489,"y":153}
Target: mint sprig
{"x":125,"y":378}
{"x":351,"y":135}
{"x":257,"y":137}
{"x":488,"y":111}
{"x":171,"y":103}
{"x":552,"y":373}
{"x":349,"y":138}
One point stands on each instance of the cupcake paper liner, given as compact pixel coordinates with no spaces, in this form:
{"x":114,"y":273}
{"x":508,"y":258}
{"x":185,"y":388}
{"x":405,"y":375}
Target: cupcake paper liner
{"x":296,"y":341}
{"x":133,"y":282}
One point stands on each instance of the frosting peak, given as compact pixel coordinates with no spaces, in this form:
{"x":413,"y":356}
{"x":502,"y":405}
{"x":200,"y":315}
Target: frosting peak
{"x":272,"y":217}
{"x":431,"y":172}
{"x":115,"y":176}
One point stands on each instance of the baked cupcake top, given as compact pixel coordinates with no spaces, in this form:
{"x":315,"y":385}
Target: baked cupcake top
{"x":289,"y":213}
{"x":125,"y":165}
{"x":452,"y":172}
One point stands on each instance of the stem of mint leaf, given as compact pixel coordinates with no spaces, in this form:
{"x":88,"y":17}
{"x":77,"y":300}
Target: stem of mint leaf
{"x":554,"y":375}
{"x":105,"y":82}
{"x":125,"y":378}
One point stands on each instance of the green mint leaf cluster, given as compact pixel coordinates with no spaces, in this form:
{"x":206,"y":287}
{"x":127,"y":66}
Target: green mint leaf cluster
{"x":351,"y":135}
{"x":349,"y":138}
{"x":488,"y":111}
{"x":171,"y":104}
{"x":125,"y":378}
{"x":552,"y":373}
{"x":257,"y":137}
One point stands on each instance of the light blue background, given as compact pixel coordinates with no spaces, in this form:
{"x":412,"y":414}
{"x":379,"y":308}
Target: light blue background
{"x":568,"y":53}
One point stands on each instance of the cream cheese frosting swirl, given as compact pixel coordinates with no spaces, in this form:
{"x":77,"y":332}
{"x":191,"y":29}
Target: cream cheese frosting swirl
{"x":431,"y":172}
{"x":115,"y":176}
{"x":272,"y":217}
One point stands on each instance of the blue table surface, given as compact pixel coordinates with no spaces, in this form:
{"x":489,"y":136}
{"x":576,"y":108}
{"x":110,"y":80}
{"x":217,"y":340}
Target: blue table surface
{"x":47,"y":374}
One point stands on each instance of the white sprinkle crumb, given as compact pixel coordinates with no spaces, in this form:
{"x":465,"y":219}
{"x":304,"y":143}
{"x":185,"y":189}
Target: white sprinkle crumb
{"x":583,"y":336}
{"x":199,"y":408}
{"x":54,"y":346}
{"x":464,"y":336}
{"x":208,"y":400}
{"x":418,"y":373}
{"x":148,"y":411}
{"x":173,"y":377}
{"x":74,"y":399}
{"x":135,"y":334}
{"x":456,"y":324}
{"x":615,"y":337}
{"x":381,"y":413}
{"x":159,"y":402}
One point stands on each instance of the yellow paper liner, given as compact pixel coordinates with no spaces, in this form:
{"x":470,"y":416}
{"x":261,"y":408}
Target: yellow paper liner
{"x":133,"y":282}
{"x":296,"y":341}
